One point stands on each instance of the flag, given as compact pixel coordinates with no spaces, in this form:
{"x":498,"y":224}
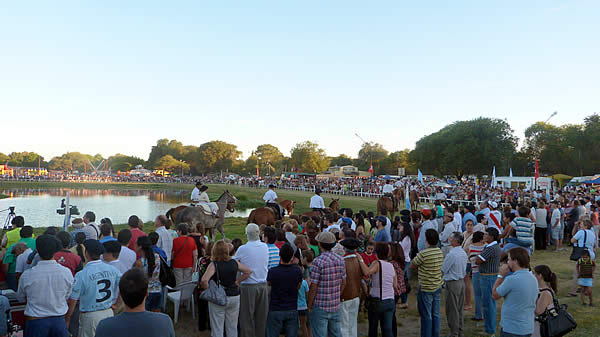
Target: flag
{"x":420,"y":177}
{"x":494,"y":176}
{"x":537,"y":169}
{"x":510,"y":175}
{"x":407,"y":196}
{"x":371,"y":169}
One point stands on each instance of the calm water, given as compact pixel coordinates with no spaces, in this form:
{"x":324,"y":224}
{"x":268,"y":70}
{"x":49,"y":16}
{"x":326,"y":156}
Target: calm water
{"x":39,"y":206}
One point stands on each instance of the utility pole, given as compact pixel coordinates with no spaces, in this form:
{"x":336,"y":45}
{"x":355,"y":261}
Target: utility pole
{"x":370,"y":152}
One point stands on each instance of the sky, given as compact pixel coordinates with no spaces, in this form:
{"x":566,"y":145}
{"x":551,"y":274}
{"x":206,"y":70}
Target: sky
{"x":115,"y":76}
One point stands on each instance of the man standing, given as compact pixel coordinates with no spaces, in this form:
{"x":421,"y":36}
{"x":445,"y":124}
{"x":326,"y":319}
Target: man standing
{"x":285,"y":280}
{"x":557,"y":230}
{"x":270,"y":199}
{"x":317,"y":203}
{"x":427,"y":224}
{"x":520,"y":291}
{"x":165,"y":239}
{"x":96,"y":286}
{"x":254,"y":293}
{"x":46,"y":288}
{"x":454,"y":269}
{"x":327,"y":281}
{"x":450,"y":227}
{"x":494,"y":217}
{"x":127,"y":256}
{"x":133,"y":222}
{"x":470,"y":215}
{"x":12,"y":236}
{"x":429,"y":263}
{"x":112,"y":250}
{"x":351,"y":293}
{"x":90,"y":229}
{"x":269,"y":237}
{"x":489,"y":265}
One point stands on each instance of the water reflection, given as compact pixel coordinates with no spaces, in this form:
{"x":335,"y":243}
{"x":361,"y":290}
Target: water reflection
{"x":38,"y":206}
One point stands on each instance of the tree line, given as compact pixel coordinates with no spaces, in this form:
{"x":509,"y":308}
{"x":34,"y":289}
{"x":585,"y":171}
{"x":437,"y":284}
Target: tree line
{"x":469,"y":147}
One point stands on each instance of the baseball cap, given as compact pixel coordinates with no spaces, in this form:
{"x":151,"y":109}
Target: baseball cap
{"x":325,"y":237}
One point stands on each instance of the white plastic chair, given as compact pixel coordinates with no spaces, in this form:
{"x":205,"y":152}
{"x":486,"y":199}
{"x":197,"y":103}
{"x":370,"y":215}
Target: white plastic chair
{"x":182,"y":293}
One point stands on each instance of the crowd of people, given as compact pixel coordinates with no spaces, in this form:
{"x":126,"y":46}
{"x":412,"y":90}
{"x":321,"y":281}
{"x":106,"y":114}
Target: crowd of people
{"x":312,"y":276}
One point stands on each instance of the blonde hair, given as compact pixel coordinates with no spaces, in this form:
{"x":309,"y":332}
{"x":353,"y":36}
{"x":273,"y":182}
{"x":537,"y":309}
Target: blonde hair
{"x":220,"y":251}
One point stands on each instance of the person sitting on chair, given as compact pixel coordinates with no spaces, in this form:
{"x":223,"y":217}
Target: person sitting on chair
{"x":317,"y":203}
{"x":270,"y":199}
{"x":203,"y":199}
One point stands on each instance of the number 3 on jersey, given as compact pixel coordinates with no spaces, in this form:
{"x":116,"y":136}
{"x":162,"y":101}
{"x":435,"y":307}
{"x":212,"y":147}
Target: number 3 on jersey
{"x":103,"y":290}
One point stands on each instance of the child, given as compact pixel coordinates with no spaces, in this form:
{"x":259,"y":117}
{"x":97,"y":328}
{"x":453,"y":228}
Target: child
{"x":303,"y":308}
{"x":307,"y":258}
{"x":585,"y":269}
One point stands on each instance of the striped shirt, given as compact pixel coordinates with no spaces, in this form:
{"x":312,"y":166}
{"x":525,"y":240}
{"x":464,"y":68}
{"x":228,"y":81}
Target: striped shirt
{"x":491,"y":259}
{"x":273,"y":255}
{"x":473,"y":252}
{"x":586,"y":269}
{"x":429,"y":262}
{"x":328,"y":272}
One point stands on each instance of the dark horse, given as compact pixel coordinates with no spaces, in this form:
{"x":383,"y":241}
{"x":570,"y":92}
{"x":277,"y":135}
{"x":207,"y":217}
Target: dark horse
{"x":266,"y":215}
{"x":334,"y":206}
{"x":195,"y":215}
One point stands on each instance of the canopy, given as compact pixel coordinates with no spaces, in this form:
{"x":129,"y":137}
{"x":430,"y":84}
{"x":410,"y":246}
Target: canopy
{"x":594,"y":182}
{"x":451,"y":182}
{"x":561,"y":178}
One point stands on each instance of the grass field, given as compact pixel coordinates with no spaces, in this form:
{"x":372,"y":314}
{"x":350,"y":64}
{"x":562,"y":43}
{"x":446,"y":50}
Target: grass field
{"x":408,"y":320}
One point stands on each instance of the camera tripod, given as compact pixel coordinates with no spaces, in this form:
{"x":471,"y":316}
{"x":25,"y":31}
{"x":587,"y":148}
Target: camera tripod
{"x":11,"y":215}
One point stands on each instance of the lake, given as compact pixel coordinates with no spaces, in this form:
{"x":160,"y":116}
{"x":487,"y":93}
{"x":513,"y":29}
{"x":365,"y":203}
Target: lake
{"x":39,"y":206}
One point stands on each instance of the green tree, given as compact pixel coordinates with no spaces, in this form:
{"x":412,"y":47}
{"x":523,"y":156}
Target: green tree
{"x":216,"y":156}
{"x":395,"y":160}
{"x":341,"y":160}
{"x":74,"y":161}
{"x":466,"y":147}
{"x":371,"y":153}
{"x":309,"y":157}
{"x":25,"y":159}
{"x":269,"y":157}
{"x":172,"y":165}
{"x":165,"y":147}
{"x":3,"y":158}
{"x":121,"y":162}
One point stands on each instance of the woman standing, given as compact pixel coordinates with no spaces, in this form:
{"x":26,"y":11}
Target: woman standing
{"x":468,"y":235}
{"x":382,"y":290}
{"x":184,"y":255}
{"x":224,"y":270}
{"x":547,"y":288}
{"x":584,"y":237}
{"x":398,"y":261}
{"x":149,"y":261}
{"x":541,"y":226}
{"x":408,"y":245}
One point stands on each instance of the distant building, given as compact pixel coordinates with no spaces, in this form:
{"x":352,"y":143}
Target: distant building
{"x":140,"y":171}
{"x":346,"y":171}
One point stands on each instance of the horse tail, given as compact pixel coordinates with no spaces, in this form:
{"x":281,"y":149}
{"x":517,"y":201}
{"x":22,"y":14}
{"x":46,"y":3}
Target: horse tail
{"x":251,"y":217}
{"x":169,"y":214}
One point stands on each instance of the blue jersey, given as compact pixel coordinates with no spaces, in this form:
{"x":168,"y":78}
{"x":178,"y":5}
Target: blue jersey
{"x":96,"y":286}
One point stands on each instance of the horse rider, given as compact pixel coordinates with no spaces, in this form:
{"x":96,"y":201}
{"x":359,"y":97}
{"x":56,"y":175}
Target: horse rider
{"x":270,"y":199}
{"x":196,"y":193}
{"x":203,"y":199}
{"x":317,"y":203}
{"x":388,"y":191}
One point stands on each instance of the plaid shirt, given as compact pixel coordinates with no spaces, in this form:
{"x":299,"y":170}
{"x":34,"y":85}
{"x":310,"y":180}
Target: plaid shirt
{"x":328,"y":271}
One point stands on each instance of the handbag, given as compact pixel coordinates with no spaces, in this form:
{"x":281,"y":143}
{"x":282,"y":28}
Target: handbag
{"x":374,"y":304}
{"x":215,"y":293}
{"x":577,"y":251}
{"x":166,"y":274}
{"x":556,"y":322}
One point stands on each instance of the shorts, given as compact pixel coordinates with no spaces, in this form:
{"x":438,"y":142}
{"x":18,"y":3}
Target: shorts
{"x":303,"y":312}
{"x":558,"y":233}
{"x":585,"y":282}
{"x":153,"y":301}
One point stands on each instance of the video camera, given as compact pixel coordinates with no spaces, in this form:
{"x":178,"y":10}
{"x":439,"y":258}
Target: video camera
{"x":63,"y":209}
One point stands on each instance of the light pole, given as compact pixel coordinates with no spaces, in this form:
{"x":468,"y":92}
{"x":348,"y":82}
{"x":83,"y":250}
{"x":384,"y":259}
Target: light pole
{"x":365,"y":143}
{"x":552,"y":115}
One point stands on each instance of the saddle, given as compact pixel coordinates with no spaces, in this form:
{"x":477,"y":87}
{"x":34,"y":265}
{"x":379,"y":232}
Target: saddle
{"x":206,"y":208}
{"x":275,"y":211}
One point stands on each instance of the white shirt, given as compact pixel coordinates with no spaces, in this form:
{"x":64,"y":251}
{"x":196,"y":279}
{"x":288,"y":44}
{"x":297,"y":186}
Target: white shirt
{"x":491,"y":222}
{"x":458,"y":219}
{"x":449,"y":228}
{"x":21,"y":264}
{"x":255,"y":255}
{"x":119,"y":265}
{"x":46,"y":287}
{"x":127,"y":257}
{"x":555,"y":217}
{"x":330,"y":227}
{"x":388,"y":188}
{"x":165,"y":241}
{"x":316,"y":201}
{"x":91,"y":231}
{"x":454,"y":266}
{"x":270,"y":196}
{"x":195,"y":194}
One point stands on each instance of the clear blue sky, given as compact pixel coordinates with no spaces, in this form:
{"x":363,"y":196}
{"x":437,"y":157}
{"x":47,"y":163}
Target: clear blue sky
{"x":115,"y":76}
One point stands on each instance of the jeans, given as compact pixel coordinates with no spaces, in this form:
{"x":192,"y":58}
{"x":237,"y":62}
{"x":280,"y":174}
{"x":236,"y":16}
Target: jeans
{"x":429,"y":309}
{"x":508,"y":334}
{"x":383,"y":317}
{"x":489,"y":305}
{"x":288,"y":319}
{"x":325,"y":324}
{"x":477,"y":292}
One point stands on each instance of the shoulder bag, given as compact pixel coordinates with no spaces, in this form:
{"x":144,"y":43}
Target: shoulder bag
{"x":374,"y":303}
{"x":577,"y":251}
{"x":215,"y":293}
{"x":556,"y":322}
{"x":166,"y":274}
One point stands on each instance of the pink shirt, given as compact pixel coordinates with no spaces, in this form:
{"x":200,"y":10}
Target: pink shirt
{"x":388,"y":281}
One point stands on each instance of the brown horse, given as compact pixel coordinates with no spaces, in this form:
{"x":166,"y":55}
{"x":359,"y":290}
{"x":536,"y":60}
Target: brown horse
{"x":414,"y":200}
{"x":172,"y":213}
{"x":262,"y":216}
{"x":385,"y":205}
{"x":288,"y":206}
{"x":334,"y":206}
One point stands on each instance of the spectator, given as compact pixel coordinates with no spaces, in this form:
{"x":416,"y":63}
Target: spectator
{"x":289,"y":233}
{"x":541,"y":226}
{"x":12,"y":236}
{"x":489,"y":266}
{"x":106,"y":232}
{"x":450,"y":227}
{"x":269,"y":237}
{"x":223,"y":319}
{"x":135,"y":321}
{"x":90,"y":229}
{"x":254,"y":293}
{"x":454,"y":269}
{"x":398,"y":261}
{"x":428,"y":223}
{"x":548,"y":287}
{"x":382,"y":234}
{"x":149,"y":262}
{"x":112,"y":251}
{"x":79,"y":249}
{"x":584,"y":237}
{"x":165,"y":240}
{"x":127,"y":256}
{"x":9,"y":263}
{"x":65,"y":257}
{"x":429,"y":263}
{"x":519,"y":288}
{"x":556,"y":226}
{"x":585,"y":277}
{"x":520,"y":233}
{"x":46,"y":288}
{"x":285,"y":280}
{"x":185,"y":255}
{"x":154,"y":237}
{"x":351,"y":293}
{"x":327,"y":281}
{"x":77,"y":224}
{"x":4,"y":307}
{"x":134,"y":226}
{"x":95,"y":287}
{"x":475,"y":248}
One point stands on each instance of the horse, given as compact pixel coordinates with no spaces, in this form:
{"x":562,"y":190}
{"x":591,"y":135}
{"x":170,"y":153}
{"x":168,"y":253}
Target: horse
{"x":414,"y":200}
{"x":386,"y":205}
{"x":333,"y":207}
{"x":288,"y":206}
{"x":195,"y":215}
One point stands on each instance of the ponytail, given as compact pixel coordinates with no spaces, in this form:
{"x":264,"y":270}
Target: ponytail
{"x":553,"y":282}
{"x":548,"y":276}
{"x":146,"y":245}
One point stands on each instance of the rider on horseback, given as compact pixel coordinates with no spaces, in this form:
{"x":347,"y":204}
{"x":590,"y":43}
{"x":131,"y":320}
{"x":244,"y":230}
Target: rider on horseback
{"x":270,"y":199}
{"x":317,"y":203}
{"x":196,"y":193}
{"x":388,"y":191}
{"x":204,"y":200}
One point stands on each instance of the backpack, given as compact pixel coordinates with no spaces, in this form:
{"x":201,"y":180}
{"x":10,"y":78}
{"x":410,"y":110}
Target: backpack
{"x":166,"y":276}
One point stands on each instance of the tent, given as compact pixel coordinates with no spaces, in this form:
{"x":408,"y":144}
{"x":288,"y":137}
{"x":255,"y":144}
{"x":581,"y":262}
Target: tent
{"x":561,"y":178}
{"x":593,"y":182}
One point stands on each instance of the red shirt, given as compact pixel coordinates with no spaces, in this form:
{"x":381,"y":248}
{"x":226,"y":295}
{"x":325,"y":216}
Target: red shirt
{"x":135,"y":234}
{"x":279,"y":244}
{"x":368,"y":259}
{"x":68,"y":259}
{"x":183,"y":256}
